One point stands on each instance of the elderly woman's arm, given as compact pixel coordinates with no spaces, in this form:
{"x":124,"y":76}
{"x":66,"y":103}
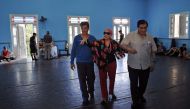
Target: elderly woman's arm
{"x":128,"y":49}
{"x":117,"y":50}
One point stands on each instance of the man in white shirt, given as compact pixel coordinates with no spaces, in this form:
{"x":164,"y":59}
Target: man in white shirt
{"x":141,"y":49}
{"x":54,"y":51}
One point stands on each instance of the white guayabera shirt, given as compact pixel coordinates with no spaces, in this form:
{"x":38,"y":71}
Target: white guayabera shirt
{"x":145,"y":48}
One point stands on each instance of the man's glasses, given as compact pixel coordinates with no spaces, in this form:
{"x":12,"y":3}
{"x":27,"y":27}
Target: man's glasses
{"x":108,"y":33}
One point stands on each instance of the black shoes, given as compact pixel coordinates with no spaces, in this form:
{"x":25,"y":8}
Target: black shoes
{"x":142,"y":99}
{"x":85,"y":103}
{"x":34,"y":59}
{"x":91,"y":96}
{"x":104,"y":102}
{"x":112,"y":97}
{"x":138,"y":104}
{"x":89,"y":100}
{"x":135,"y":106}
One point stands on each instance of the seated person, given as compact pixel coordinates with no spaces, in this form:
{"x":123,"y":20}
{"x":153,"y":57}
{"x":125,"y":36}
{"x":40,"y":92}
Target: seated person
{"x":5,"y":54}
{"x":41,"y":45}
{"x":160,"y":49}
{"x":54,"y":53}
{"x":183,"y":52}
{"x":173,"y":51}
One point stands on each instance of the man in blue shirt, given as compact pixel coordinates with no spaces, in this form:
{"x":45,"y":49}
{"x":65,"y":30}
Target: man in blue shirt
{"x":85,"y":65}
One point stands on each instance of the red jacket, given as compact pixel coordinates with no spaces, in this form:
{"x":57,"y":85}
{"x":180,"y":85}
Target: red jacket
{"x":5,"y":53}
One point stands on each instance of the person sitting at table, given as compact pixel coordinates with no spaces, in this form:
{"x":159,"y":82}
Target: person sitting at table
{"x":5,"y":54}
{"x":54,"y":51}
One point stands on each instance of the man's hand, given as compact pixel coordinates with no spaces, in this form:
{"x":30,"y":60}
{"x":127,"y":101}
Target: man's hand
{"x":132,"y":51}
{"x":72,"y":66}
{"x":128,"y":49}
{"x":83,"y":41}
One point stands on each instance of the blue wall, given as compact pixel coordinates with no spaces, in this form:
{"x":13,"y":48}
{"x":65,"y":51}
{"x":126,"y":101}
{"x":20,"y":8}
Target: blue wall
{"x":158,"y":16}
{"x":101,"y":13}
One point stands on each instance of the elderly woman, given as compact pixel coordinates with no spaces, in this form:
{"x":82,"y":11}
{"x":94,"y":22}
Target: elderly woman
{"x":105,"y":52}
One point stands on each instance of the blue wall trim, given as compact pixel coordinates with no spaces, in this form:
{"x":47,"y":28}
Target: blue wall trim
{"x":101,"y":13}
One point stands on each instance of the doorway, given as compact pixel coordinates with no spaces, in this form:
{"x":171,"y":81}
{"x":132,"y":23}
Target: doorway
{"x":22,"y":28}
{"x":74,"y":27}
{"x":120,"y":23}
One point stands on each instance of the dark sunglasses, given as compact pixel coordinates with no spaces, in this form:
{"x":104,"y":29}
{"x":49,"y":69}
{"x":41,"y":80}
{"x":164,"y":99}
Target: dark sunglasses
{"x":107,"y":33}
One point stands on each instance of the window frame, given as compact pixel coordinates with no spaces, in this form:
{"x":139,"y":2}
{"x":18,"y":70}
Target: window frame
{"x":182,"y":29}
{"x":70,"y":26}
{"x":120,"y":25}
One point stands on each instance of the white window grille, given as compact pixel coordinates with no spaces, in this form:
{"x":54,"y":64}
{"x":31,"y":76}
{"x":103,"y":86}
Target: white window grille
{"x":120,"y":23}
{"x":179,"y":25}
{"x":74,"y":26}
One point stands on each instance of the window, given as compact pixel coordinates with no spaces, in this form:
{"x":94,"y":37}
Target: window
{"x":120,"y":23}
{"x":23,"y":19}
{"x":74,"y":26}
{"x":179,"y":25}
